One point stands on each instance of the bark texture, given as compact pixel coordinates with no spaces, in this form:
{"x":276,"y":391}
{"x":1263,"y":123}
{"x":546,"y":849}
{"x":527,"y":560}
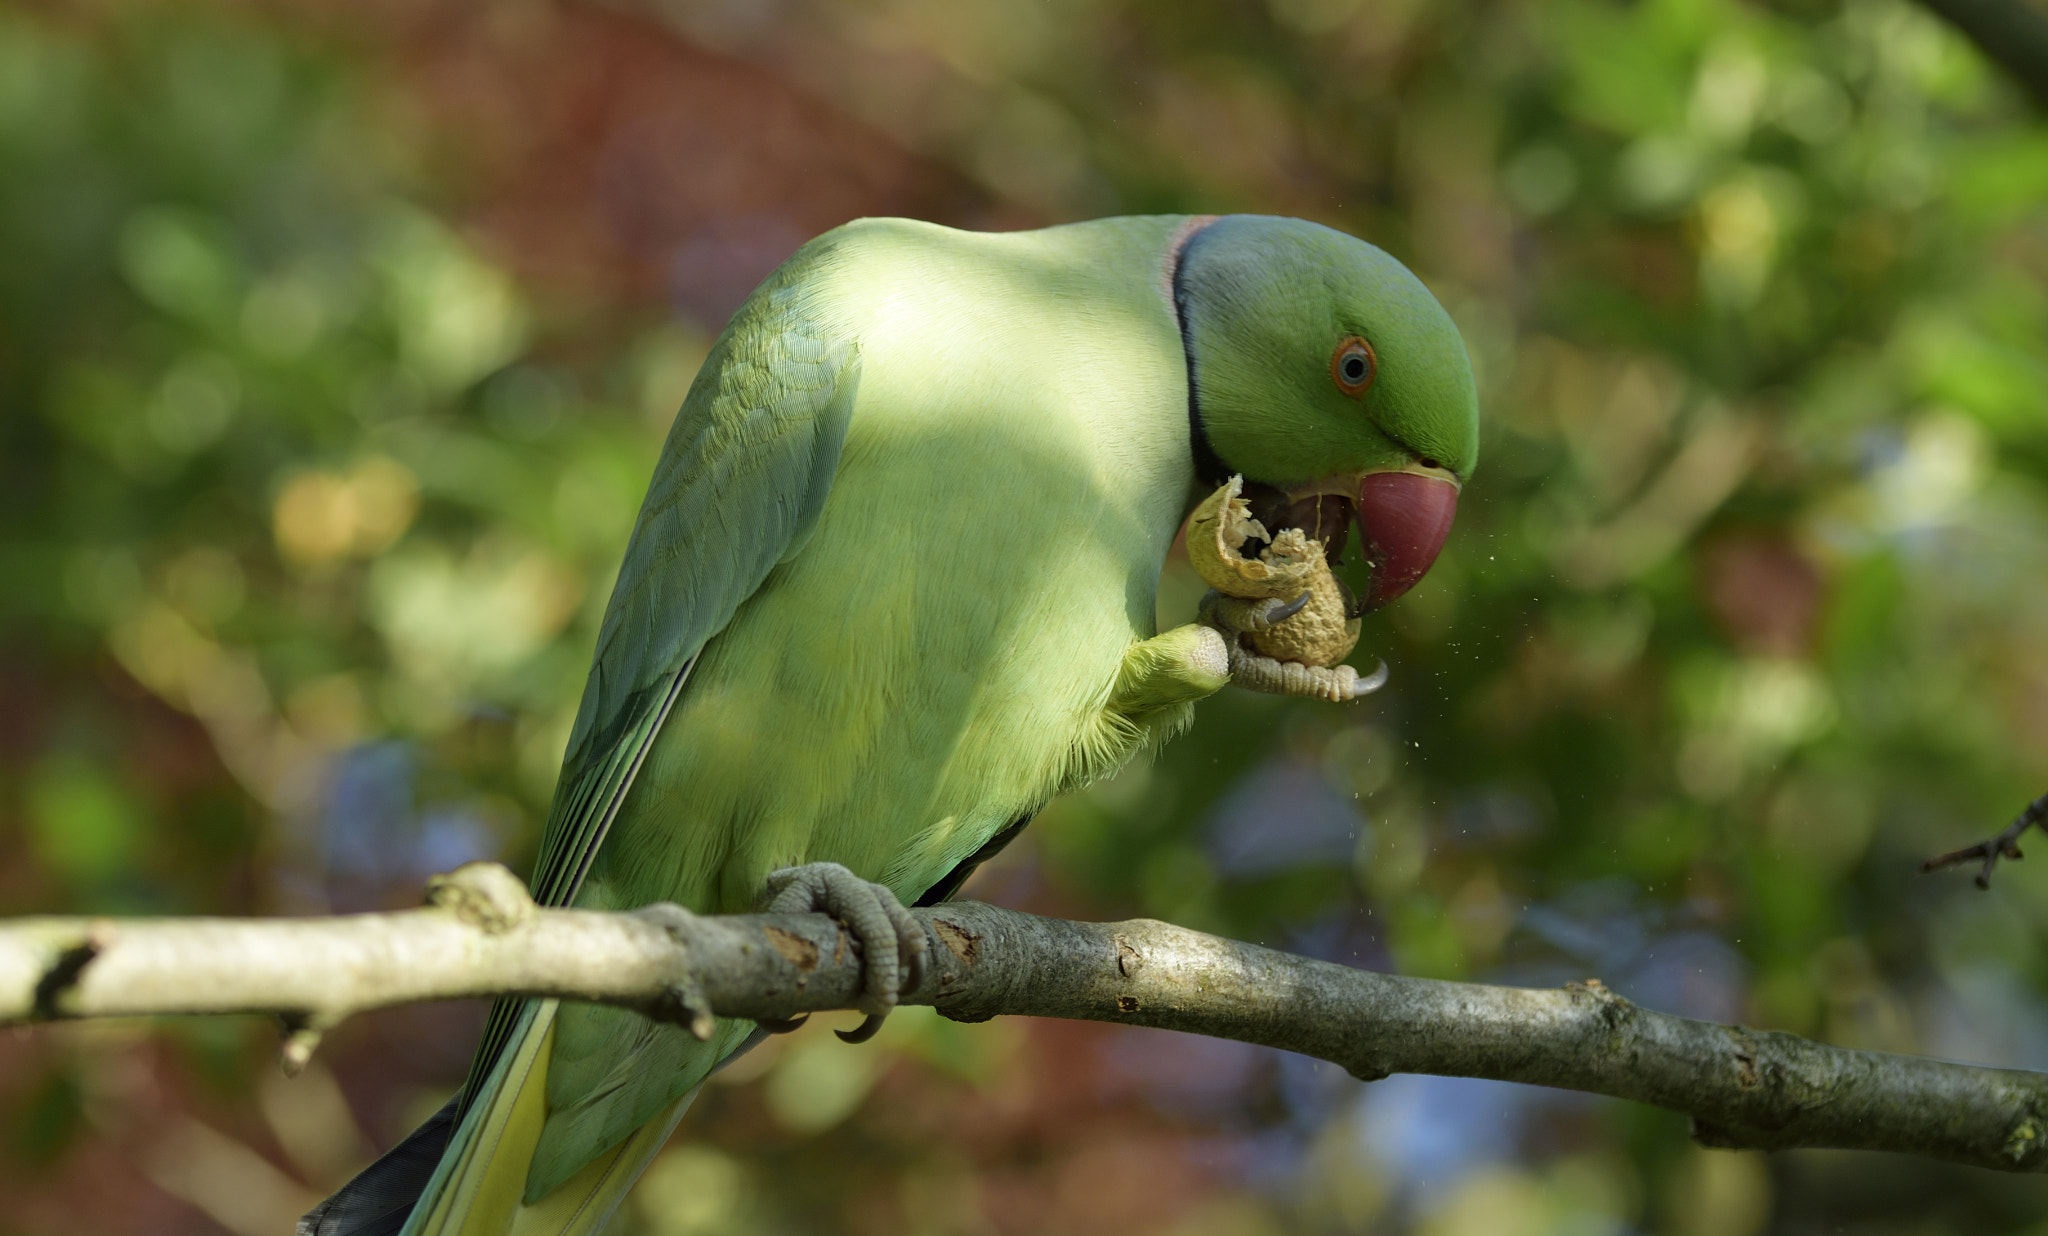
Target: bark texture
{"x":481,"y":935}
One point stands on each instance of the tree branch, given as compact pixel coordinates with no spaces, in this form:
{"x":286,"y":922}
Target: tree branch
{"x":483,"y":936}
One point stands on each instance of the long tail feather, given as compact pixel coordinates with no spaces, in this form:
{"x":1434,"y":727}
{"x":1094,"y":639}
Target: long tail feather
{"x":378,"y":1200}
{"x":476,"y":1189}
{"x":582,"y":1204}
{"x":468,"y":1180}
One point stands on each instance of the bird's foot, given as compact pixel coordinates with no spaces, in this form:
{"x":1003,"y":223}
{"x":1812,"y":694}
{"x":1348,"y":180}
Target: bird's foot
{"x":891,"y":942}
{"x":1233,"y":616}
{"x":2005,"y":845}
{"x":1337,"y":683}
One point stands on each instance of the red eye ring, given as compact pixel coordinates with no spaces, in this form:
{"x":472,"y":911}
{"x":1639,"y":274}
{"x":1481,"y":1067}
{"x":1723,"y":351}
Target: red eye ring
{"x":1353,"y":365}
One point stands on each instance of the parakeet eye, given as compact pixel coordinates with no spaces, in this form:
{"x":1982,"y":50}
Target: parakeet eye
{"x":1353,"y":366}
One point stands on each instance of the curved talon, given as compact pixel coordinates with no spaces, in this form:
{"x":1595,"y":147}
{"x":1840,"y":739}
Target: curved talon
{"x":782,"y":1025}
{"x":864,"y":1031}
{"x":1369,"y":683}
{"x":1338,"y":684}
{"x":1275,"y":616}
{"x":892,"y":943}
{"x":1235,"y":615}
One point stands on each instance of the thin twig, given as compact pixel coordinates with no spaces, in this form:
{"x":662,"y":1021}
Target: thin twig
{"x":1743,"y":1088}
{"x":2004,"y":845}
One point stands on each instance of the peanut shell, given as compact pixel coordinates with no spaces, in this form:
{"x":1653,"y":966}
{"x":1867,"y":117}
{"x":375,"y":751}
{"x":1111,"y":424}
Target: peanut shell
{"x":1323,"y":632}
{"x":1219,"y":529}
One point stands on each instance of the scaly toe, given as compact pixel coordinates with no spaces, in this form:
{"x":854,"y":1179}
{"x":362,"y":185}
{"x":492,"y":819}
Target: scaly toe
{"x":1235,"y":615}
{"x":891,"y":942}
{"x":1276,"y":613}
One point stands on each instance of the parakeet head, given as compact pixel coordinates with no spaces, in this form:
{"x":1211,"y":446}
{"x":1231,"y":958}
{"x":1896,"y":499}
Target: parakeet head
{"x":1325,"y":373}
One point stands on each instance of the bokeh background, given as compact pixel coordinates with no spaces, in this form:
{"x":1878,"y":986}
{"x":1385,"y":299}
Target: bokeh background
{"x":337,"y":340}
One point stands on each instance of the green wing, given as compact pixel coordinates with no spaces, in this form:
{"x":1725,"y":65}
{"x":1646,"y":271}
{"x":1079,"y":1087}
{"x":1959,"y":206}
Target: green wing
{"x":741,"y":481}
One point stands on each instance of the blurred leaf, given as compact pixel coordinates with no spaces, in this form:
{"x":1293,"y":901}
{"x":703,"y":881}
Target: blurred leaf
{"x":86,"y":827}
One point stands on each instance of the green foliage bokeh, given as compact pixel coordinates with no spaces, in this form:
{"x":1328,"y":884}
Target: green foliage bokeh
{"x":314,"y":478}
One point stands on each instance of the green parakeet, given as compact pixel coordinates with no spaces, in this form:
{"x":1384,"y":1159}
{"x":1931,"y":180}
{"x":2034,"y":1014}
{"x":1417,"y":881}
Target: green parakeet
{"x":892,"y":590}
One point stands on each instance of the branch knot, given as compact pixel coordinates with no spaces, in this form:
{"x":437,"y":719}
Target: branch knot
{"x":683,"y":1000}
{"x":487,"y":896}
{"x":2026,"y":1144}
{"x":69,"y":966}
{"x":1128,"y":959}
{"x":1613,"y":1010}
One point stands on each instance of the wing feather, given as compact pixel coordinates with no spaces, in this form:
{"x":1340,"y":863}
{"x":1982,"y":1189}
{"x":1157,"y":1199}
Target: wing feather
{"x":740,"y":483}
{"x":739,"y":486}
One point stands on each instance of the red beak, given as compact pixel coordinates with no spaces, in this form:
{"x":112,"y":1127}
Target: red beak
{"x":1403,"y":518}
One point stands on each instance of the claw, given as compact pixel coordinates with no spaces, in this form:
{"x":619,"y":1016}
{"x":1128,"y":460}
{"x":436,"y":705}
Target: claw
{"x":1235,"y":615}
{"x":783,"y":1025}
{"x":1371,"y":682}
{"x":1336,"y":683}
{"x":892,"y":943}
{"x":866,"y":1030}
